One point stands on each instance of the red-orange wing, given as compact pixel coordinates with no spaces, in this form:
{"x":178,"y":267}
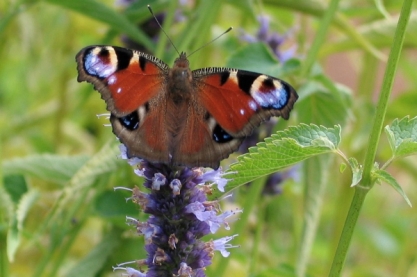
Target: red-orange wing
{"x":240,"y":100}
{"x":126,"y":79}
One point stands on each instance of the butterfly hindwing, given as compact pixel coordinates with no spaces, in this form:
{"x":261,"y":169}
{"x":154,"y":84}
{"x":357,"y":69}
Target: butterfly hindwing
{"x":197,"y":143}
{"x":144,"y":133}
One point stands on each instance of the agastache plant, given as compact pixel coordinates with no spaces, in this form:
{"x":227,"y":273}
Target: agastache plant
{"x":180,"y":215}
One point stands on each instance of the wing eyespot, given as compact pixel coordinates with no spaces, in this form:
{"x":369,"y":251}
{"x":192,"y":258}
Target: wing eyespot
{"x":130,"y":121}
{"x":220,"y":135}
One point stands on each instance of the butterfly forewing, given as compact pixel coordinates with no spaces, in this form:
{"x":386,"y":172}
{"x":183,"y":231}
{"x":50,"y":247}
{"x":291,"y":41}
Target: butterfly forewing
{"x":240,"y":100}
{"x":126,"y":79}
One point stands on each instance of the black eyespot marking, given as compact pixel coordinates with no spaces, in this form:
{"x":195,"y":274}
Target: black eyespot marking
{"x":224,"y":76}
{"x":130,"y":121}
{"x":245,"y":80}
{"x":220,"y":135}
{"x":142,"y":63}
{"x":103,"y":52}
{"x":123,"y":57}
{"x":268,"y":83}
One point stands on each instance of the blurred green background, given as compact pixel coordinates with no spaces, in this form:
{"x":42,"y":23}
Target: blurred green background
{"x":59,"y":214}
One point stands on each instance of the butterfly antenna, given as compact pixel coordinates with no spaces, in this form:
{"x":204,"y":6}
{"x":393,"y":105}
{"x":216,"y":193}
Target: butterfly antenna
{"x":160,"y":26}
{"x":225,"y":32}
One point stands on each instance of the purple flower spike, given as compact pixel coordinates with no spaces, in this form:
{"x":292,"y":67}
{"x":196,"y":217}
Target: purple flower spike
{"x":180,"y":215}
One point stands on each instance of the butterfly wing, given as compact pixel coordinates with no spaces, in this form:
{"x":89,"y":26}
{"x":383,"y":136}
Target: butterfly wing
{"x":195,"y":145}
{"x":126,"y":79}
{"x":133,"y":86}
{"x":224,"y":105}
{"x":234,"y":102}
{"x":240,"y":100}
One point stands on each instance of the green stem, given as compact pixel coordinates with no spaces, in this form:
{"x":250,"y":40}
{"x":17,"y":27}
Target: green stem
{"x":366,"y":182}
{"x":4,"y":261}
{"x":258,"y":239}
{"x":347,"y":232}
{"x":320,"y":36}
{"x":386,"y":92}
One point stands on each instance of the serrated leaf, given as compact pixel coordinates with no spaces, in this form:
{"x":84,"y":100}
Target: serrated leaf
{"x":402,"y":136}
{"x":58,"y":169}
{"x":356,"y":171}
{"x":281,"y":150}
{"x":382,"y":175}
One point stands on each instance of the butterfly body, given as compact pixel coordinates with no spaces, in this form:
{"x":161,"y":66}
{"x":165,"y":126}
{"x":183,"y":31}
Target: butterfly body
{"x":178,"y":116}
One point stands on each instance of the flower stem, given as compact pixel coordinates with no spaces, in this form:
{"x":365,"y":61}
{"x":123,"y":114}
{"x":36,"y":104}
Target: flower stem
{"x":320,"y":36}
{"x":366,"y":182}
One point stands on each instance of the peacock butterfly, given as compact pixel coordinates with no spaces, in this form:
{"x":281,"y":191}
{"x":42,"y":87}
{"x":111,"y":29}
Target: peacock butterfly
{"x":178,"y":116}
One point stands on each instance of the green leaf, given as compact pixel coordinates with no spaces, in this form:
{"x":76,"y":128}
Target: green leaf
{"x":16,"y":222}
{"x":58,"y":169}
{"x":382,"y":175}
{"x":104,"y":161}
{"x":113,"y":204}
{"x":323,"y":102}
{"x":342,"y":167}
{"x":258,"y":57}
{"x":402,"y":136}
{"x":406,"y":102}
{"x":316,"y":179}
{"x":16,"y":186}
{"x":357,"y":171}
{"x":379,"y":33}
{"x":381,"y":8}
{"x":283,"y":149}
{"x":92,"y":264}
{"x":101,"y":12}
